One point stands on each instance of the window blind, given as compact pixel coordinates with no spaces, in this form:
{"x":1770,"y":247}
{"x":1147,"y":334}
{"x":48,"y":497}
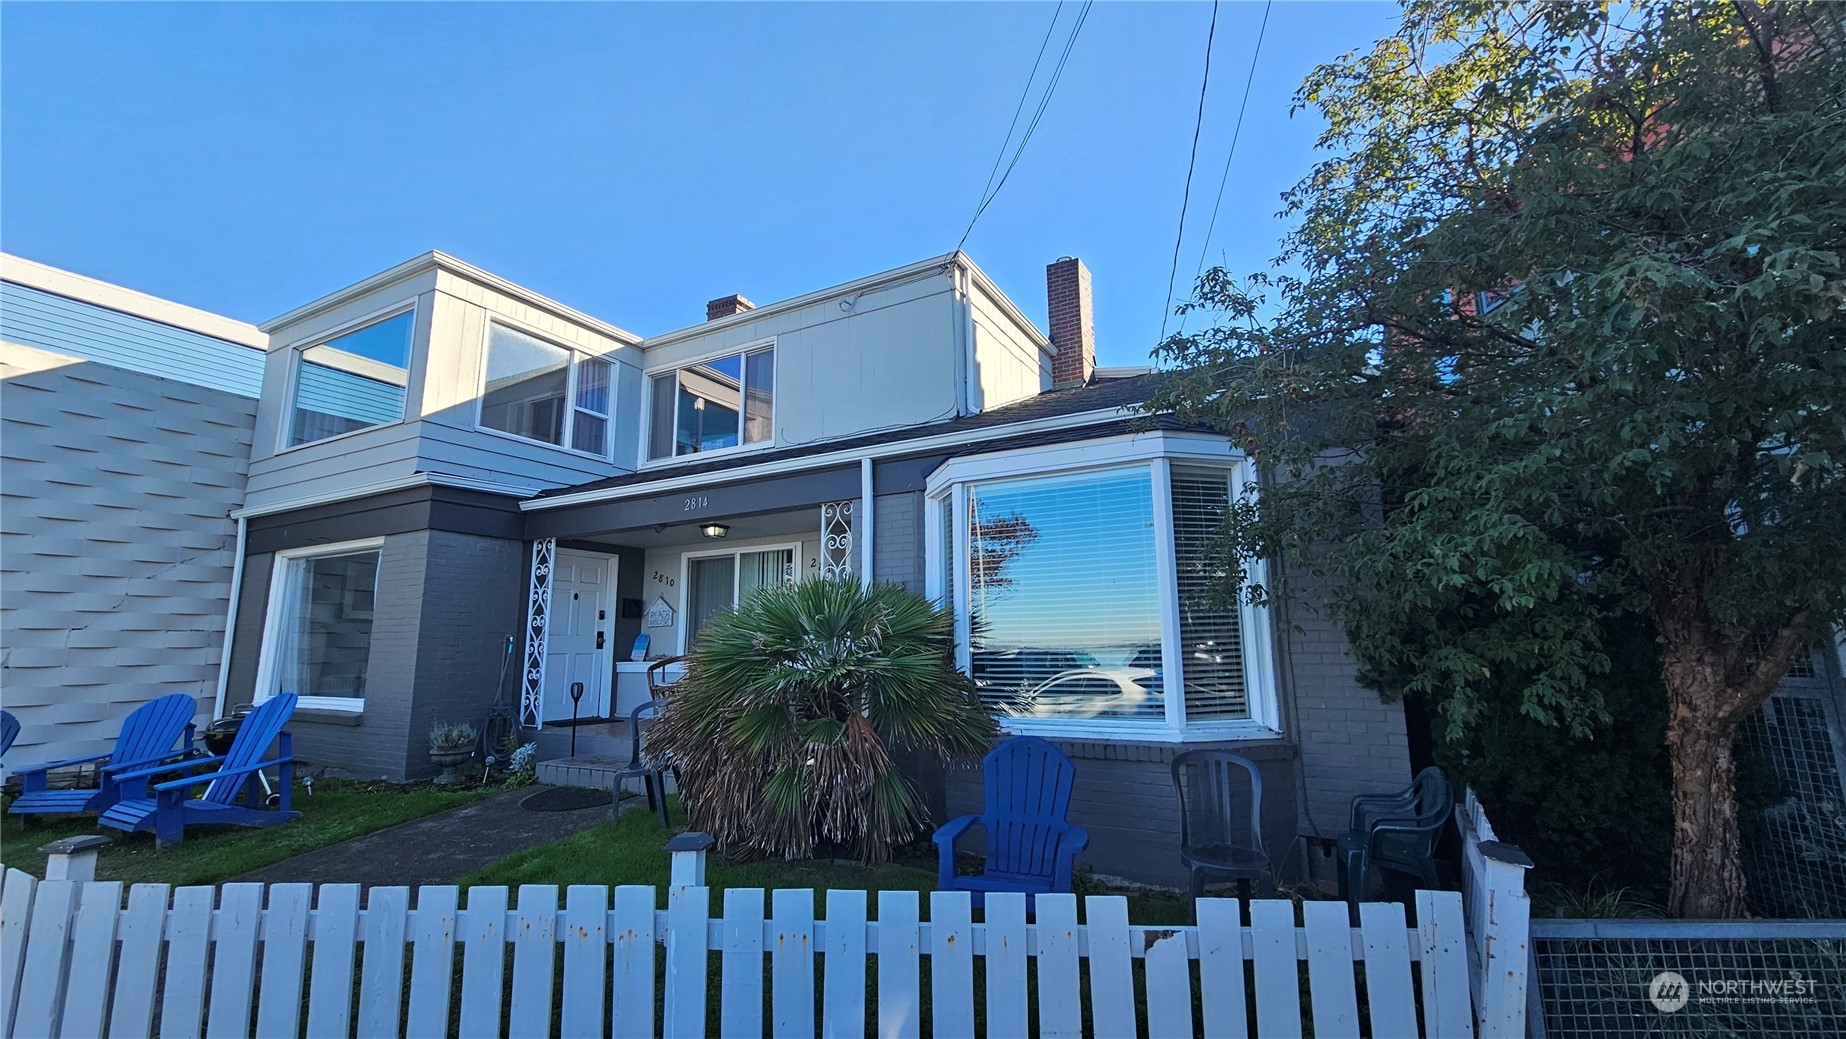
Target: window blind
{"x":1210,"y":635}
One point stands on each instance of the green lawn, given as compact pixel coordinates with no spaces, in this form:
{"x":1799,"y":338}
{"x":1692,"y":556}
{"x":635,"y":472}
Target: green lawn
{"x":632,"y":851}
{"x":337,"y":811}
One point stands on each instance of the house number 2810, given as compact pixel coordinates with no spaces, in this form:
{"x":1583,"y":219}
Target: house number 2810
{"x":693,"y":504}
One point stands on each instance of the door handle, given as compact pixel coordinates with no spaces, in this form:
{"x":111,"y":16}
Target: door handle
{"x":599,"y":640}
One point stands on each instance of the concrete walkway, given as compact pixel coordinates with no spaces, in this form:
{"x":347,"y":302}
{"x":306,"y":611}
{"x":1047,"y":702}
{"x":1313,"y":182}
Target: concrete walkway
{"x":436,"y":849}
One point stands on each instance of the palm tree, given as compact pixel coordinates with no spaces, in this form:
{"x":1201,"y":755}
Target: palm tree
{"x":793,"y":704}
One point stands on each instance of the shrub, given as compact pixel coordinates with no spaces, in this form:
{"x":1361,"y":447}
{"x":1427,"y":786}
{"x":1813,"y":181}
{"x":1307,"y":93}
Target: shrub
{"x":793,"y":704}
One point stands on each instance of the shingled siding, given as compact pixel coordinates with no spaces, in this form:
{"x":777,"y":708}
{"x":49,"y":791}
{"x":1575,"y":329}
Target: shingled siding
{"x":118,"y":546}
{"x":446,"y":602}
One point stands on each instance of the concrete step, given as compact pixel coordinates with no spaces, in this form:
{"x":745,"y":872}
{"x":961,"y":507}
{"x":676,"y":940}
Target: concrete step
{"x":590,"y":770}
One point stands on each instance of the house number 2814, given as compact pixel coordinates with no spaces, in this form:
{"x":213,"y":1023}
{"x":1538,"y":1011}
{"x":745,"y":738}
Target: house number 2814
{"x":697,"y":502}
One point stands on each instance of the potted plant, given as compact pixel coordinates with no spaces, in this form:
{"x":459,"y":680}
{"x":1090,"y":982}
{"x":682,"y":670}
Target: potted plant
{"x":450,"y":744}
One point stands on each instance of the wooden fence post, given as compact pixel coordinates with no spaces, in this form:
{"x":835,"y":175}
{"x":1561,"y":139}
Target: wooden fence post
{"x":688,"y":863}
{"x":73,"y":858}
{"x":1499,"y":915}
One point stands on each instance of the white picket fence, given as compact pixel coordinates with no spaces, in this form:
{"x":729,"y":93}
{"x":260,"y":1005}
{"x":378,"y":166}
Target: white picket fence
{"x":1499,"y":915}
{"x":246,"y":959}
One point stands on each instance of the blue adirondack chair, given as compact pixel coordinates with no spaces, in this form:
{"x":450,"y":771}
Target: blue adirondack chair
{"x":9,"y":731}
{"x":1030,"y":844}
{"x":155,"y":732}
{"x":170,"y":810}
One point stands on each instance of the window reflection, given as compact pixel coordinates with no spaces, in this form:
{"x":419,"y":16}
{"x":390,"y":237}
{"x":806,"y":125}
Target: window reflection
{"x":713,"y":405}
{"x":352,"y":382}
{"x":1064,"y":597}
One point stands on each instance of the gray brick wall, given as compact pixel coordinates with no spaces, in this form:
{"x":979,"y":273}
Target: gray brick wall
{"x":445,"y":604}
{"x":1124,"y":798}
{"x":897,"y":539}
{"x":1352,"y":742}
{"x":115,"y":544}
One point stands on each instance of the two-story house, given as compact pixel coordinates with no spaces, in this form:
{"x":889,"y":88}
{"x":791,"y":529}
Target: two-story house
{"x":461,"y":492}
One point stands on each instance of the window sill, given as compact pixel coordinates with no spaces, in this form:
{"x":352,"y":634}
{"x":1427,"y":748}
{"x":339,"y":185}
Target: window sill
{"x":1106,"y":732}
{"x":324,"y":716}
{"x":700,"y":456}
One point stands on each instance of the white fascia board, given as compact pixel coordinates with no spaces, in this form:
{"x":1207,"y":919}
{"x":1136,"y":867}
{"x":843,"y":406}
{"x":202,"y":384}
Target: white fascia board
{"x":896,"y":276}
{"x":438,"y":260}
{"x":386,"y":486}
{"x":46,"y":278}
{"x":1102,"y":452}
{"x":828,"y":459}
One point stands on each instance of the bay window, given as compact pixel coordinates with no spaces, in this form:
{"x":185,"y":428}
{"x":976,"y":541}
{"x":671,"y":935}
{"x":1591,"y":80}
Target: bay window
{"x":353,"y":381}
{"x":716,"y":404}
{"x":317,"y":637}
{"x":537,"y":390}
{"x":1087,"y":585}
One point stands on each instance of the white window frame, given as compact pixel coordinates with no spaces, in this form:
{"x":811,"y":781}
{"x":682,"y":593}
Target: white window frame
{"x":285,"y":424}
{"x":1156,"y":452}
{"x":647,"y":404}
{"x":278,"y":577}
{"x":685,"y":572}
{"x":577,"y":356}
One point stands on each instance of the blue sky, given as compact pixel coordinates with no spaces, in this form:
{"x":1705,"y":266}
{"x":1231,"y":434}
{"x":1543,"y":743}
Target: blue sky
{"x":635,"y":161}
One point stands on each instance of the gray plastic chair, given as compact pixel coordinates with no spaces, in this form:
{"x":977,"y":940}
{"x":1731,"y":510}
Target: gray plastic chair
{"x":652,"y":773}
{"x":1220,"y":819}
{"x":1397,"y":832}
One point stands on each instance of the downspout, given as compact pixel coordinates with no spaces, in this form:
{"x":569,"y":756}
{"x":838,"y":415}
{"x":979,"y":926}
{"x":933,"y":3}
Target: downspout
{"x":865,"y":517}
{"x":230,"y":616}
{"x":964,"y":334}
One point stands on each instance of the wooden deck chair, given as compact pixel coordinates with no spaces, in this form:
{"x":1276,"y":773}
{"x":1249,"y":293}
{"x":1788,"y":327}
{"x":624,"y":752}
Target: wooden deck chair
{"x":170,"y":810}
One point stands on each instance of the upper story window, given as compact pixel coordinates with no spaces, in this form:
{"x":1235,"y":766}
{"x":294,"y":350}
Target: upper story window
{"x":724,"y":402}
{"x":353,"y":381}
{"x":1087,"y":586}
{"x":541,"y":391}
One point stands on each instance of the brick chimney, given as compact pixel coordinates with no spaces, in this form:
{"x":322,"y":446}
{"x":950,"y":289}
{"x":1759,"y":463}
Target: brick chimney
{"x":1073,"y":328}
{"x":727,"y":306}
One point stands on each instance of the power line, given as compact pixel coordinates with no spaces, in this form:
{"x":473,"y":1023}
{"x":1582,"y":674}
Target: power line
{"x":1044,"y":101}
{"x":1235,"y":134}
{"x":1024,"y":93}
{"x":1186,"y":198}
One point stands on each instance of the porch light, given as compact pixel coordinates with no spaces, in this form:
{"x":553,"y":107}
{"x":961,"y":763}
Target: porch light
{"x":714,"y":530}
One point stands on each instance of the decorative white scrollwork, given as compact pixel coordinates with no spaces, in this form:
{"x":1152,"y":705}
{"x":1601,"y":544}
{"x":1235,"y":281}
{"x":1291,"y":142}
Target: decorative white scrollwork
{"x":836,"y":548}
{"x":538,"y":609}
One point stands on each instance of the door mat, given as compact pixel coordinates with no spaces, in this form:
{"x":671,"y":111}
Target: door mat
{"x":565,"y":799}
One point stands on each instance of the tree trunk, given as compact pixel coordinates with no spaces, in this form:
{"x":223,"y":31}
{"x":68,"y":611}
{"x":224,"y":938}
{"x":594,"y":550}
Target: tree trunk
{"x":1707,"y":844}
{"x":1713,"y":683}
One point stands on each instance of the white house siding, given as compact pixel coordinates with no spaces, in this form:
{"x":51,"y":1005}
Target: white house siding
{"x":116,"y":568}
{"x":886,"y":360}
{"x":452,"y":442}
{"x":1008,"y":363}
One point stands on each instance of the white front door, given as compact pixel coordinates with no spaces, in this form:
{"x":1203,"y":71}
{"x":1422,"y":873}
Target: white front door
{"x":579,"y":647}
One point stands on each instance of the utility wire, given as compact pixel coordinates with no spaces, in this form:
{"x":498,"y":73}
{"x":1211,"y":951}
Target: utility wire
{"x":1044,"y":101}
{"x":1186,"y":198}
{"x":1023,"y":94}
{"x":1235,"y":134}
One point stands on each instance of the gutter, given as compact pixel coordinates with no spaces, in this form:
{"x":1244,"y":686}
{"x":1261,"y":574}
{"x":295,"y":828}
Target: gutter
{"x":230,"y":616}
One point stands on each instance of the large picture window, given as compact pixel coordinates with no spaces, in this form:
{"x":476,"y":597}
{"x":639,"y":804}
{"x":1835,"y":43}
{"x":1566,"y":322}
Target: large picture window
{"x":540,"y":391}
{"x":721,"y":403}
{"x":318,"y":635}
{"x":1063,"y":599}
{"x":1088,"y":589}
{"x":354,"y":381}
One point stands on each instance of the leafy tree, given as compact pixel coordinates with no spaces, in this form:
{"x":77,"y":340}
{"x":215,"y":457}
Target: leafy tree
{"x":784,"y":726}
{"x":1556,"y":348}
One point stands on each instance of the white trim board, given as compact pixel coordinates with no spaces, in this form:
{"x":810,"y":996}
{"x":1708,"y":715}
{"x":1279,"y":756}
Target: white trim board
{"x":46,"y":278}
